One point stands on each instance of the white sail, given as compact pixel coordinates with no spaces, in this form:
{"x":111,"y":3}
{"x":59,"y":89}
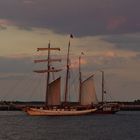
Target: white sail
{"x":88,"y":93}
{"x":54,"y":92}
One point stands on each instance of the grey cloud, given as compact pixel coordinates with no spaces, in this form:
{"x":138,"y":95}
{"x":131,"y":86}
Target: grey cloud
{"x":25,"y":65}
{"x":125,"y":42}
{"x":96,"y":63}
{"x":79,"y":17}
{"x":15,"y":65}
{"x":11,"y":77}
{"x":27,"y":85}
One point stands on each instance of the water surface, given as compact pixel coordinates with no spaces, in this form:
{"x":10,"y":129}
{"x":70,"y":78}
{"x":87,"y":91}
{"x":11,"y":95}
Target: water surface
{"x":19,"y":126}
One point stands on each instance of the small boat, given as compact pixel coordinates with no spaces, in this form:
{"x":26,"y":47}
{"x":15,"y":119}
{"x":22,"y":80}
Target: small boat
{"x":106,"y":108}
{"x":53,"y":104}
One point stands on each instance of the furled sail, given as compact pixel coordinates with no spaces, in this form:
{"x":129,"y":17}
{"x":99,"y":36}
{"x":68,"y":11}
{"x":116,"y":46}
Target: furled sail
{"x":54,"y":92}
{"x":44,"y":71}
{"x":46,"y":60}
{"x":88,"y":93}
{"x":44,"y":49}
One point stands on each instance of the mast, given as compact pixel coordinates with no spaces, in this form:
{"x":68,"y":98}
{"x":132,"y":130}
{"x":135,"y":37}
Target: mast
{"x":80,"y":79}
{"x":48,"y":60}
{"x":102,"y":86}
{"x":67,"y":74}
{"x":48,"y":76}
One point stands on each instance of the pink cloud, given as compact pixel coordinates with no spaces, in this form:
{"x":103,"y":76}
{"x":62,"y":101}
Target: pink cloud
{"x":75,"y":63}
{"x":6,"y":22}
{"x":110,"y":54}
{"x":115,"y":23}
{"x":18,"y":56}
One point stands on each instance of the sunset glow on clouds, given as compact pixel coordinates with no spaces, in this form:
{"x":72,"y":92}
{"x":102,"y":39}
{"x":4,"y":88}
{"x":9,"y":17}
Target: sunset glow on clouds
{"x":106,"y":32}
{"x":116,"y":22}
{"x":5,"y":22}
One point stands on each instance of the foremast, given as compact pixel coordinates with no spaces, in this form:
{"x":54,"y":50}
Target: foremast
{"x":49,"y":69}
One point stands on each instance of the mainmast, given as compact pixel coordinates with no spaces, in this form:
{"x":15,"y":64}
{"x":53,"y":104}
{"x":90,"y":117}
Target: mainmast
{"x":48,"y":60}
{"x":67,"y":73}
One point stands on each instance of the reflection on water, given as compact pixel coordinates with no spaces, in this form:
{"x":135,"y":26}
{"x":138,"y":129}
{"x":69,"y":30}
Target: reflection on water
{"x":19,"y":126}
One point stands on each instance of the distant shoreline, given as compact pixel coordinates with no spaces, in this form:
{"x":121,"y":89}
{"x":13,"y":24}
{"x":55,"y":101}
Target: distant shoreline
{"x":19,"y":105}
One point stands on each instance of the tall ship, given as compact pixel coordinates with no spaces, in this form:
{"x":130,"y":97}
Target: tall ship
{"x":53,"y":105}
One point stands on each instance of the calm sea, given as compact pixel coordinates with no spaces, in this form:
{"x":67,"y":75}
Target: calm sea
{"x":19,"y":126}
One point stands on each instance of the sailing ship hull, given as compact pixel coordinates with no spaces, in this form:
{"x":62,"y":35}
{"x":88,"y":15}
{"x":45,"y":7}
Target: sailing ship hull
{"x":58,"y":112}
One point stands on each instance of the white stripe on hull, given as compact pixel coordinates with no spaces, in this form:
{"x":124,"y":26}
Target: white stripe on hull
{"x":43,"y":112}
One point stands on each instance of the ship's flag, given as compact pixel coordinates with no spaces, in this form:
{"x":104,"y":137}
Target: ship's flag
{"x":71,"y":36}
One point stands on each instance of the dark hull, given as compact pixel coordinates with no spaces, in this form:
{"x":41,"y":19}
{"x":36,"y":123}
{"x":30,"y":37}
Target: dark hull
{"x":105,"y":112}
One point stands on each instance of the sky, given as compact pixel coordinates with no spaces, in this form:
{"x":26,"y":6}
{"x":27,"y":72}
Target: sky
{"x":107,"y":31}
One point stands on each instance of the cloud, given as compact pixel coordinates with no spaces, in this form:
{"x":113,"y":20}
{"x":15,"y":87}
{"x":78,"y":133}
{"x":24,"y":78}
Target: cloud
{"x":104,"y":62}
{"x":116,"y":23}
{"x":75,"y":63}
{"x":15,"y":65}
{"x":28,"y":2}
{"x":25,"y":28}
{"x":112,"y":53}
{"x":2,"y":27}
{"x":6,"y":22}
{"x":125,"y":41}
{"x":83,"y":18}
